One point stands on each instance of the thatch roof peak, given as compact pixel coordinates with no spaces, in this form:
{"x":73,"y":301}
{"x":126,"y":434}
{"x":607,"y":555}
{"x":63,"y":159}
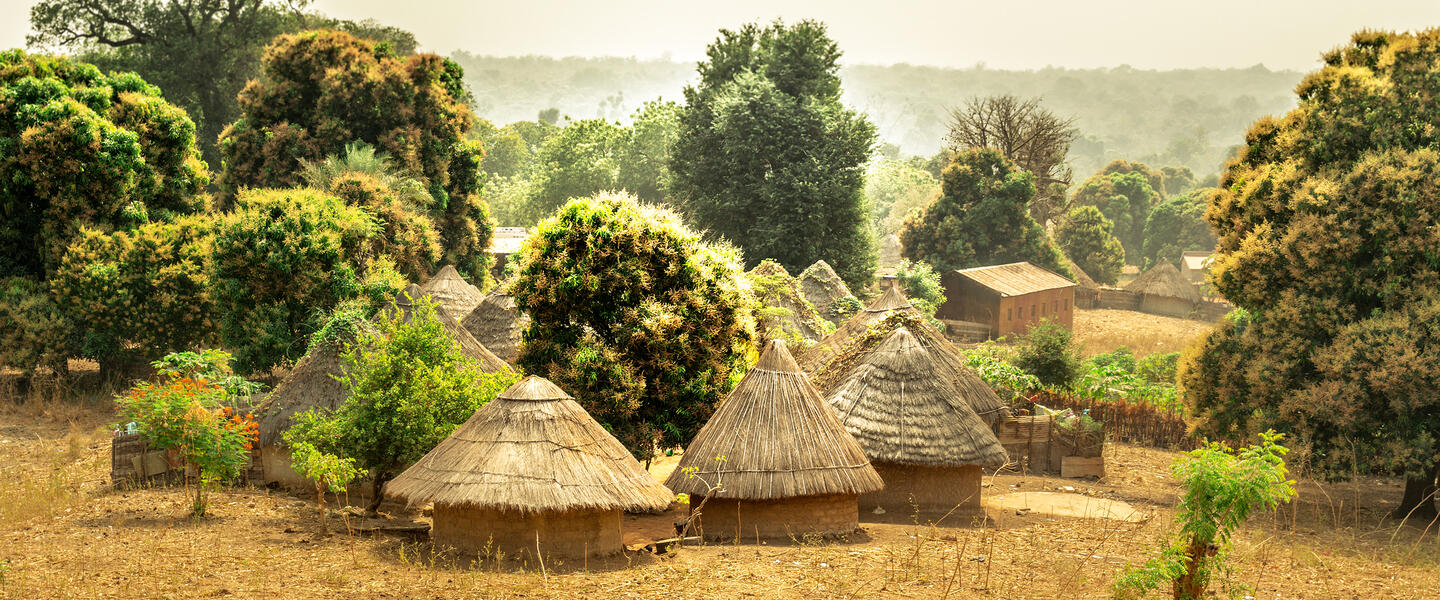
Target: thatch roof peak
{"x":892,"y":299}
{"x":497,"y":324}
{"x":311,"y":384}
{"x":890,"y":302}
{"x":1082,"y":278}
{"x":469,"y":346}
{"x":524,"y":452}
{"x":455,"y":295}
{"x":900,"y":403}
{"x":1164,"y":280}
{"x":773,"y":437}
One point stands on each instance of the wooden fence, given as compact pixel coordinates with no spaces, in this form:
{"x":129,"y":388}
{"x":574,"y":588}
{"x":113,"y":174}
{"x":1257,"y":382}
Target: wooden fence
{"x":1138,"y":423}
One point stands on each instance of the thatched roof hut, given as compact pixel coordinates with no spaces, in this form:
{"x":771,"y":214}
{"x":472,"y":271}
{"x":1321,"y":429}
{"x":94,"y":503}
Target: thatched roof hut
{"x":901,"y":403}
{"x":822,"y":287}
{"x":531,"y":464}
{"x":891,"y":301}
{"x":313,"y":384}
{"x":783,"y":311}
{"x":1164,"y":291}
{"x":773,"y":460}
{"x":469,"y":346}
{"x":455,"y":295}
{"x":1087,"y":292}
{"x":498,"y":325}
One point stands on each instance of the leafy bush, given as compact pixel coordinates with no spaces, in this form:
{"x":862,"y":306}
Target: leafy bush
{"x":329,"y":472}
{"x":1087,"y":238}
{"x":1222,"y":488}
{"x":1159,"y":368}
{"x":410,"y":387}
{"x":1048,"y":353}
{"x":922,"y":285}
{"x":1006,"y":378}
{"x":1120,"y":357}
{"x":34,"y":331}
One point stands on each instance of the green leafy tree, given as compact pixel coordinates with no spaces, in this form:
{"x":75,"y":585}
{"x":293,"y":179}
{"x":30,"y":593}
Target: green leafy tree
{"x":323,"y":90}
{"x":894,"y":189}
{"x":578,"y":161}
{"x":1222,"y":489}
{"x":1048,"y":353}
{"x":769,"y":158}
{"x":646,"y":324}
{"x":1325,"y":226}
{"x":33,"y":329}
{"x":922,"y":285}
{"x":1086,"y":237}
{"x":282,"y":260}
{"x":1178,"y":180}
{"x":330,"y":473}
{"x":980,"y":218}
{"x":1177,"y":225}
{"x":1124,"y":192}
{"x":643,"y":157}
{"x":410,"y":388}
{"x":1026,"y":133}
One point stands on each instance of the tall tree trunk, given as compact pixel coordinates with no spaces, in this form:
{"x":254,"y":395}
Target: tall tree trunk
{"x":377,"y":492}
{"x":1418,"y":503}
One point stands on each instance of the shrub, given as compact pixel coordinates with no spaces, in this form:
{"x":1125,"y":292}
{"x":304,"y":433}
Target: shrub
{"x":1222,"y":488}
{"x":922,"y":285}
{"x":34,"y":331}
{"x":1159,"y":368}
{"x":1007,"y":379}
{"x":329,"y":472}
{"x":1048,"y":353}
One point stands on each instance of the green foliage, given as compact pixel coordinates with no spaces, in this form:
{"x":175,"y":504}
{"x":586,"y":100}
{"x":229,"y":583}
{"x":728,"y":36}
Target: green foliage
{"x":329,"y":472}
{"x":644,"y":323}
{"x":1222,"y":489}
{"x":1033,"y":137}
{"x":1124,"y":192}
{"x":34,"y":331}
{"x":993,"y":367}
{"x":282,"y":260}
{"x":921,"y":285}
{"x":1178,"y":180}
{"x":769,"y":158}
{"x":409,"y":108}
{"x":1177,"y":225}
{"x":406,"y":236}
{"x":894,"y":189}
{"x":1159,"y":368}
{"x":843,"y":307}
{"x":578,"y":161}
{"x":1325,"y":225}
{"x":1120,"y":357}
{"x":981,"y":218}
{"x":410,"y":387}
{"x":209,"y":364}
{"x":137,"y":294}
{"x":189,"y":414}
{"x":1086,"y":237}
{"x":644,"y":155}
{"x":1048,"y":353}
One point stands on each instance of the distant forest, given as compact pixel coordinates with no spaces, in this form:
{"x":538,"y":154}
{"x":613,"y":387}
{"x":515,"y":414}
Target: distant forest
{"x":1189,"y":117}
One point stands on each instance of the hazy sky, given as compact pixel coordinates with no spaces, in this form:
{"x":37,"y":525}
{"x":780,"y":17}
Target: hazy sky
{"x":1019,"y":34}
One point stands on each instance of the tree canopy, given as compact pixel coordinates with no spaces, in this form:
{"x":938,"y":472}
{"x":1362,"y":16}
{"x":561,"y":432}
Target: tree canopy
{"x":769,"y":158}
{"x":1176,"y":225}
{"x":1124,"y":192}
{"x":1025,"y":132}
{"x":1085,"y":236}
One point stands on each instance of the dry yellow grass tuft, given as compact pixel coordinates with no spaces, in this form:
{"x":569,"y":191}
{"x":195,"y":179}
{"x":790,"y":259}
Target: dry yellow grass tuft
{"x":1102,"y":330}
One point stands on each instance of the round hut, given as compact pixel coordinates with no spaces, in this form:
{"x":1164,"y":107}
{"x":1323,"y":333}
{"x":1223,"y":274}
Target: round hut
{"x":530,"y":470}
{"x":900,"y":402}
{"x":783,"y":311}
{"x":469,"y":346}
{"x":773,"y":461}
{"x":312,"y":384}
{"x":823,"y":288}
{"x":1164,"y":291}
{"x":890,"y":302}
{"x":498,"y":325}
{"x":455,"y":295}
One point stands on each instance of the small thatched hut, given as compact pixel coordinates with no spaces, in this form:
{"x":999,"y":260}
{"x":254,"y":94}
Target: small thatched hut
{"x":455,"y":295}
{"x":312,"y":384}
{"x":891,"y":301}
{"x":1087,"y":292}
{"x":1164,"y":291}
{"x":774,"y":461}
{"x":824,"y":289}
{"x":498,"y":325}
{"x":900,"y":402}
{"x":783,"y":311}
{"x":469,"y":346}
{"x":530,"y":469}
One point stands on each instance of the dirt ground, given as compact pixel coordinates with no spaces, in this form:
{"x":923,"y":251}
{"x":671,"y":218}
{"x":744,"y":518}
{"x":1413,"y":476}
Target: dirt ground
{"x":1102,"y":330}
{"x":65,"y":534}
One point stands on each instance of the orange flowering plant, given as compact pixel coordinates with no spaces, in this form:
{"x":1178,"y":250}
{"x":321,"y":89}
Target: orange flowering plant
{"x":187,"y":414}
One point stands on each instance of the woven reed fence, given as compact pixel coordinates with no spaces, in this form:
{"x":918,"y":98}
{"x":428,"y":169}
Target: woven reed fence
{"x":1138,"y":423}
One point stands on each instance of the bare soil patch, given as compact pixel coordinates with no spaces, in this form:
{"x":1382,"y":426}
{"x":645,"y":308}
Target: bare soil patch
{"x":1103,"y":330}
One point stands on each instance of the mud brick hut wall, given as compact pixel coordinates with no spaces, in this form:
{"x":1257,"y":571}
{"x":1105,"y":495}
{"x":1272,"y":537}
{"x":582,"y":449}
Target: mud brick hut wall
{"x":989,"y":295}
{"x":568,"y":534}
{"x":725,"y":519}
{"x":908,"y":486}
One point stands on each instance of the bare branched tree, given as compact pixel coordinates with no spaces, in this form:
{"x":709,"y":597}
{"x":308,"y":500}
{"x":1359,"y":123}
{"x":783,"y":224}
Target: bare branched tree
{"x":1025,"y":132}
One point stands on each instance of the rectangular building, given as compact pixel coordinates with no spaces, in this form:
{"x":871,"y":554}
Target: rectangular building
{"x":1009,"y":298}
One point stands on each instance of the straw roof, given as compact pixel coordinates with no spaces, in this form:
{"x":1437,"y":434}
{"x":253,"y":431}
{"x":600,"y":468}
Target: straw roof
{"x":782,"y":306}
{"x":893,"y":300}
{"x":1082,"y":278}
{"x":311,"y":384}
{"x":497,"y":324}
{"x":455,"y":295}
{"x":469,"y":346}
{"x":1166,"y":281}
{"x":900,"y":403}
{"x":980,"y":397}
{"x":531,"y":449}
{"x":773,"y":437}
{"x":821,"y":286}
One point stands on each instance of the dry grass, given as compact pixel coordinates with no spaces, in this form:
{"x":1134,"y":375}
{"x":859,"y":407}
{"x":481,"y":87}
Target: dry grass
{"x":1100,"y":331}
{"x":92,"y":542}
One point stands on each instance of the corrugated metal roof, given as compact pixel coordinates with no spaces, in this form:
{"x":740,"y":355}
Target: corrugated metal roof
{"x":507,"y":240}
{"x":1016,"y":279}
{"x":1196,"y":261}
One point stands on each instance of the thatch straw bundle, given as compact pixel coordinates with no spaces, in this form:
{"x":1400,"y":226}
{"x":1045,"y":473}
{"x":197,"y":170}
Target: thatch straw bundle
{"x":783,"y":309}
{"x":822,"y":287}
{"x":455,"y":295}
{"x":532,"y":449}
{"x":311,"y":384}
{"x":1165,"y":281}
{"x":771,"y":438}
{"x":900,"y":402}
{"x":889,"y":302}
{"x":469,"y":346}
{"x":498,"y":325}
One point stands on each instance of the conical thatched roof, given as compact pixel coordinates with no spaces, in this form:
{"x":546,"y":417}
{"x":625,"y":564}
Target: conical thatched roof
{"x":1164,"y":280}
{"x":531,"y":449}
{"x":900,"y":403}
{"x":497,"y":324}
{"x":978,"y":395}
{"x":311,"y":384}
{"x":455,"y":295}
{"x":821,"y":286}
{"x":783,"y":309}
{"x":1082,"y":279}
{"x":893,"y":300}
{"x":777,"y":439}
{"x":469,"y":346}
